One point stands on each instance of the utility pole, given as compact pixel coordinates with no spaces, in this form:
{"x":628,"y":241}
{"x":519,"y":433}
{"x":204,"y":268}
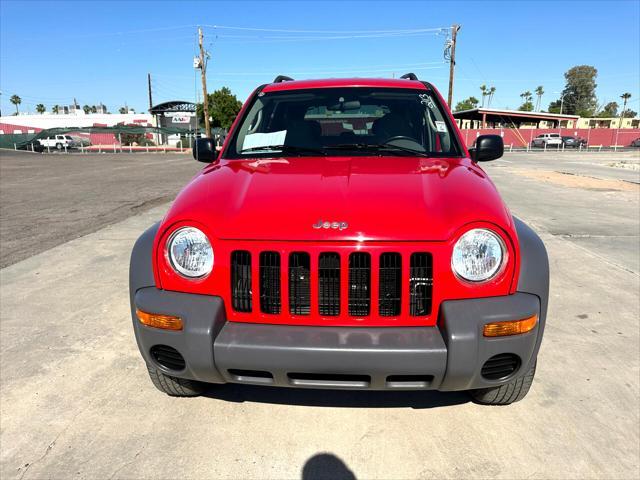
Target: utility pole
{"x":150,"y":98}
{"x":450,"y":53}
{"x":204,"y":56}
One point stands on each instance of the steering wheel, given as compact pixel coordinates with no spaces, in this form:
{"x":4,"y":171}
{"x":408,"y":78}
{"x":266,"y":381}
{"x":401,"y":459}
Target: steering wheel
{"x":400,"y":137}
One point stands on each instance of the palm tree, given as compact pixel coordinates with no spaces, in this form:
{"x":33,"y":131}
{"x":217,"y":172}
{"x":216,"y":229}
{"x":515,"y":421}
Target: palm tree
{"x":40,"y":108}
{"x":539,"y":93}
{"x":86,"y":108}
{"x":122,"y":110}
{"x":94,"y":109}
{"x":483,"y":89}
{"x":16,"y":100}
{"x":55,"y":109}
{"x":492,"y":90}
{"x":625,"y":96}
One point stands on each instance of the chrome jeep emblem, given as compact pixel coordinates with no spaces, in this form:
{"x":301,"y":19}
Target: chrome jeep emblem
{"x":330,"y":225}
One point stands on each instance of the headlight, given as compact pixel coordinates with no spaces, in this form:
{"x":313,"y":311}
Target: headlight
{"x":478,"y":255}
{"x":190,"y":252}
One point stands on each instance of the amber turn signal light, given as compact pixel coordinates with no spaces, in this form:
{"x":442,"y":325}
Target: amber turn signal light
{"x":155,"y":320}
{"x":511,"y":327}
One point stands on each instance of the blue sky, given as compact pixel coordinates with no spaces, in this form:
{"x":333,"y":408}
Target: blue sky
{"x":51,"y":52}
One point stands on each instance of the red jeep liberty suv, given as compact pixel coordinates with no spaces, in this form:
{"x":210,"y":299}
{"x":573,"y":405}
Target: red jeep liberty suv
{"x":343,"y":238}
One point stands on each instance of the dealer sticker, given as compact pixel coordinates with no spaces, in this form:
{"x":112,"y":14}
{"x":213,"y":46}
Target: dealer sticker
{"x":441,"y":126}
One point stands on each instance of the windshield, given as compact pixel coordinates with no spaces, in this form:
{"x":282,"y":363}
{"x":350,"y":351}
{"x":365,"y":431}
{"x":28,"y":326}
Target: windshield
{"x":347,"y":121}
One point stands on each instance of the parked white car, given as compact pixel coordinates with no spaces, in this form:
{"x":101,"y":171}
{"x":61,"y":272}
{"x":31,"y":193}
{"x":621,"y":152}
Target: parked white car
{"x":548,"y":139}
{"x":58,"y":141}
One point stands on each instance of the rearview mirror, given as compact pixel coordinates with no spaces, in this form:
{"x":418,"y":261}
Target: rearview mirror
{"x":204,"y":150}
{"x":486,"y":148}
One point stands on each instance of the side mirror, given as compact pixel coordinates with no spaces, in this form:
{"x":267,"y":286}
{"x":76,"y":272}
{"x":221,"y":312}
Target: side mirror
{"x":486,"y":148}
{"x":204,"y":150}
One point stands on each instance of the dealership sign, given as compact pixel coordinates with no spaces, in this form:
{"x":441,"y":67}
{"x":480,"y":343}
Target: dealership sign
{"x":180,"y":119}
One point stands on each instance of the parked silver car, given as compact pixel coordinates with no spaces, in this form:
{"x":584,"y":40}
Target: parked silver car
{"x":548,"y":139}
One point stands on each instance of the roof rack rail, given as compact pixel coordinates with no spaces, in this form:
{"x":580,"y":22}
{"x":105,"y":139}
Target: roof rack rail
{"x":282,"y":78}
{"x":409,"y":76}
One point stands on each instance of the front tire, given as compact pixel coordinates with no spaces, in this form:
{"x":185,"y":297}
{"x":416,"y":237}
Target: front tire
{"x":508,"y":393}
{"x":173,"y":386}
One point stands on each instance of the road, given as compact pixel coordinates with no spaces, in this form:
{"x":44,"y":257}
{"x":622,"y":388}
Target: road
{"x":75,"y":400}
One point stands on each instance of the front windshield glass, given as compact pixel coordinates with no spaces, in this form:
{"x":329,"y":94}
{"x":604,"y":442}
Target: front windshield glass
{"x":344,"y":121}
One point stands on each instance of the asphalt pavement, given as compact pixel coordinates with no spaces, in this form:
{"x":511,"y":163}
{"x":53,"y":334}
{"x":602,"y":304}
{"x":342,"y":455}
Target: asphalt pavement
{"x":76,"y":402}
{"x":47,"y":200}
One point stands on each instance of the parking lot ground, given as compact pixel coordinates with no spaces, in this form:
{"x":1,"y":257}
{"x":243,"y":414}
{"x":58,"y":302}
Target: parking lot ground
{"x":46,"y":200}
{"x":75,"y":400}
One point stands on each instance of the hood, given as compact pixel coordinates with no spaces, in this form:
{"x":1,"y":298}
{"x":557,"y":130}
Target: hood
{"x":339,"y":198}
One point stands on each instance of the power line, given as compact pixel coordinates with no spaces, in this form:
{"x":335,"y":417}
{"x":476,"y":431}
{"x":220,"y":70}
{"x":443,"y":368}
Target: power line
{"x":286,"y":30}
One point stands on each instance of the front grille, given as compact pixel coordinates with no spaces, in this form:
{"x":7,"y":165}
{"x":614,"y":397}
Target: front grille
{"x":500,"y":366}
{"x":299,"y":283}
{"x":420,"y":284}
{"x":359,"y":284}
{"x":389,"y":297}
{"x":241,"y":281}
{"x":329,"y":284}
{"x":320,"y":291}
{"x":270,"y":282}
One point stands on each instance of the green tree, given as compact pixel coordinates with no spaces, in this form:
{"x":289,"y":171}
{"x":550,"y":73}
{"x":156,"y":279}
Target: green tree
{"x":625,"y":98}
{"x":539,"y":92}
{"x":527,"y":104}
{"x":87,"y":109}
{"x":55,"y":109}
{"x":579,"y":91}
{"x":94,"y":109}
{"x":16,"y":100}
{"x":554,"y":107}
{"x":492,"y":90}
{"x":223,"y":108}
{"x":485,"y":91}
{"x":468,"y":104}
{"x":122,"y":110}
{"x":40,"y":108}
{"x":609,"y":110}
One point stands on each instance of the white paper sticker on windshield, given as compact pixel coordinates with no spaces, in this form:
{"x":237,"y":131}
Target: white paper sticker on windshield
{"x":441,"y":126}
{"x":256,"y":140}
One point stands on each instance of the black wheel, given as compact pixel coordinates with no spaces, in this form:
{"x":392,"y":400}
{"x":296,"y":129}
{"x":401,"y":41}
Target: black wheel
{"x":175,"y":387}
{"x":59,"y":146}
{"x":506,"y":394}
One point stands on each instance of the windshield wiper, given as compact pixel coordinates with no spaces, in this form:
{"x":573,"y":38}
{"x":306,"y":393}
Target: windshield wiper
{"x":285,"y":148}
{"x":376,"y":147}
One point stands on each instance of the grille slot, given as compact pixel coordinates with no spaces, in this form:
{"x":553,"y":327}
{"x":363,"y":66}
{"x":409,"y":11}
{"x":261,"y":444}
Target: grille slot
{"x":168,"y":357}
{"x":270,"y":282}
{"x":329,"y":284}
{"x":420,"y":284}
{"x":389,"y":296}
{"x":241,"y":281}
{"x":299,"y":283}
{"x":359,"y":284}
{"x":500,"y":366}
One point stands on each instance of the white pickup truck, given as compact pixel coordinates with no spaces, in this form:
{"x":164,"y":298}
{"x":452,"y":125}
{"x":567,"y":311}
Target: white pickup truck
{"x":58,"y":141}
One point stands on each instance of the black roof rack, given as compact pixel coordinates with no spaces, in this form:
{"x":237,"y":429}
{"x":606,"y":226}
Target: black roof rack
{"x":282,"y":78}
{"x":409,"y":76}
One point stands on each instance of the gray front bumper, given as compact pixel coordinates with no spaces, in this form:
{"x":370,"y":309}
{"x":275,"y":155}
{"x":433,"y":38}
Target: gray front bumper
{"x":448,"y":357}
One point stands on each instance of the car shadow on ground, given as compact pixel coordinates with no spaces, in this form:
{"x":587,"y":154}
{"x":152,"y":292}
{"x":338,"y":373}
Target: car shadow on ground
{"x":417,"y":399}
